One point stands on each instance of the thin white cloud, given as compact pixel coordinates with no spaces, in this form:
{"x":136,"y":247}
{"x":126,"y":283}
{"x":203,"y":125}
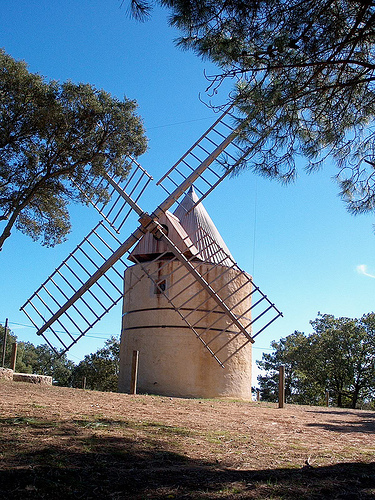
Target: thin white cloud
{"x":362,"y":269}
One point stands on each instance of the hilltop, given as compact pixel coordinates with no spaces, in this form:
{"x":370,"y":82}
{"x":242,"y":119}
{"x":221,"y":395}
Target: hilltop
{"x":71,"y":443}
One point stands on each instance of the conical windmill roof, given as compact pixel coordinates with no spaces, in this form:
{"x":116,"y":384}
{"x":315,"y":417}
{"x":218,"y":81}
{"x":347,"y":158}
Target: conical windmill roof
{"x":149,"y":248}
{"x":201,"y":230}
{"x":193,"y":232}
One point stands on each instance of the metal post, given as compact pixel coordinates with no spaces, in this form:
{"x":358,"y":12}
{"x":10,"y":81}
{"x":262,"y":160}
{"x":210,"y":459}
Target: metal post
{"x":281,"y":386}
{"x":5,"y":342}
{"x":133,"y":383}
{"x":13,"y":358}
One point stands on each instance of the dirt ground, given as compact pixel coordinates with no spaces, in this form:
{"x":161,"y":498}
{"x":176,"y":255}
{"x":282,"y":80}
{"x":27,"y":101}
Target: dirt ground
{"x":71,"y":443}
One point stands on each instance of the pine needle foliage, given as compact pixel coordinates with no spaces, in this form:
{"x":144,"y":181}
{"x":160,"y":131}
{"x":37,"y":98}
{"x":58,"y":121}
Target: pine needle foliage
{"x":303,"y":77}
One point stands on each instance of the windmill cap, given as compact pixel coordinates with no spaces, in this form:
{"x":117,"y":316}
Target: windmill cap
{"x":201,"y":229}
{"x":192,"y":231}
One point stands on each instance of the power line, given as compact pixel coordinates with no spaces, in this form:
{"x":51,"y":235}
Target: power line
{"x":179,"y":123}
{"x":106,"y":336}
{"x":96,"y":335}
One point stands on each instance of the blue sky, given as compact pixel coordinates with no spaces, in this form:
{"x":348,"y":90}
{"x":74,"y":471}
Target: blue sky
{"x":299,"y":243}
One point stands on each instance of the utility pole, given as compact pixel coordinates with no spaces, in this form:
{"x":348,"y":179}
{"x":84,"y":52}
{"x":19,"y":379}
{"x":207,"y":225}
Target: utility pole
{"x":13,"y":357}
{"x":281,"y":386}
{"x":5,"y":342}
{"x":134,"y":373}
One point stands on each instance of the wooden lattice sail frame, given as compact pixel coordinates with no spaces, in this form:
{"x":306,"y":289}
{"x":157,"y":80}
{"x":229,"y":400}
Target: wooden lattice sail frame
{"x":89,"y":282}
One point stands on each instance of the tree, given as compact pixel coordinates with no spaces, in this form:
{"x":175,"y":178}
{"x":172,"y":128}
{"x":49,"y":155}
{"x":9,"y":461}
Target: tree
{"x":303,"y":74}
{"x":292,"y":352}
{"x":339,"y":357}
{"x":343,"y":351}
{"x":53,"y":138}
{"x":41,"y":360}
{"x":101,"y":368}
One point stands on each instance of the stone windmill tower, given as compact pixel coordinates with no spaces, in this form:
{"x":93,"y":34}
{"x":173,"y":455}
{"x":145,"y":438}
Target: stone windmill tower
{"x":179,"y":285}
{"x":172,"y":361}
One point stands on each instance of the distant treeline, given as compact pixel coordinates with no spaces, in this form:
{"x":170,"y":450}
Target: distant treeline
{"x":99,"y":370}
{"x":338,"y":357}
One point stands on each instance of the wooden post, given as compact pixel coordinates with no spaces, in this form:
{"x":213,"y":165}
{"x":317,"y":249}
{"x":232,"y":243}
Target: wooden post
{"x":281,"y":386}
{"x":13,"y":358}
{"x":133,"y":383}
{"x":327,"y":398}
{"x":84,"y":383}
{"x":5,"y":342}
{"x":258,"y":394}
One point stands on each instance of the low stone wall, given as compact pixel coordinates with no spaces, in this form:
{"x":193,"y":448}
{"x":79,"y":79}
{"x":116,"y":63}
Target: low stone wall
{"x":32,"y":379}
{"x":8,"y":374}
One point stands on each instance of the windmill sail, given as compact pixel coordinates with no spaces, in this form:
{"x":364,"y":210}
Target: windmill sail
{"x":214,"y":156}
{"x":89,"y":282}
{"x":232,"y":306}
{"x":118,"y":207}
{"x":223,"y":307}
{"x":80,"y":291}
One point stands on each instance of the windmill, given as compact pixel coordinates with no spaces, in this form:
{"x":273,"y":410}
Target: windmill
{"x":206,"y":290}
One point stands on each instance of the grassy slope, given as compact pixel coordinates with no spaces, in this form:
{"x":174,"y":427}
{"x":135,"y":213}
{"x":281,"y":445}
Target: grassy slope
{"x":70,"y":443}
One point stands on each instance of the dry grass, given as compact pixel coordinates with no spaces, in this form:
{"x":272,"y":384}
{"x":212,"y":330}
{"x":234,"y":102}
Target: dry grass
{"x":70,"y":443}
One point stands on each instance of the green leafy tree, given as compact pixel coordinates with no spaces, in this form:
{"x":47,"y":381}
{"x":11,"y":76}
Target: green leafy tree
{"x":293,"y":353}
{"x":43,"y":360}
{"x":343,"y":353}
{"x":101,"y":369}
{"x":54,"y":137}
{"x":339,"y":357}
{"x":303,"y":76}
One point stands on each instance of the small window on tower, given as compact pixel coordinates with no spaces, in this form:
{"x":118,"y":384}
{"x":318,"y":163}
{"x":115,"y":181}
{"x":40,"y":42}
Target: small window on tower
{"x":160,"y":287}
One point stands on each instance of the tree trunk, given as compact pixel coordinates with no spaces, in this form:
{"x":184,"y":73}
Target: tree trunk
{"x":339,"y":399}
{"x":12,"y":220}
{"x":355,"y":398}
{"x":6,"y":233}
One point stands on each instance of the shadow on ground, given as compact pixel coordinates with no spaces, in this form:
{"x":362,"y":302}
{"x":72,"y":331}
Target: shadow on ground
{"x":366,"y":422}
{"x":68,"y":463}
